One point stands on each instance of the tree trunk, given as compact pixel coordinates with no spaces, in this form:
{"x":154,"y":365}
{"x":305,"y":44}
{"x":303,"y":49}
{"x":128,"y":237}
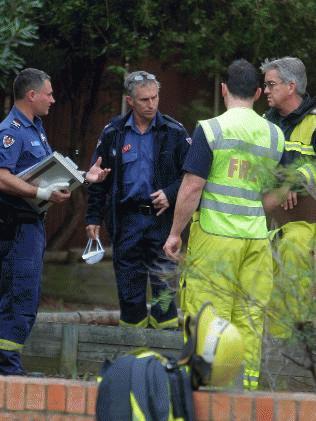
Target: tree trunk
{"x":71,"y":222}
{"x":80,"y":122}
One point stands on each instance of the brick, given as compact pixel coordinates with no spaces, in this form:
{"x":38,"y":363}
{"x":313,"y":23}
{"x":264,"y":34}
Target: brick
{"x":221,"y":407}
{"x":242,"y":408}
{"x":15,"y":395}
{"x":307,"y":410}
{"x":2,"y":390}
{"x":31,"y":416}
{"x":58,"y":418}
{"x":91,"y":400}
{"x":202,"y":405}
{"x":76,"y":399}
{"x":35,"y":396}
{"x":6,"y":417}
{"x":56,"y":397}
{"x":286,"y":410}
{"x":264,"y":408}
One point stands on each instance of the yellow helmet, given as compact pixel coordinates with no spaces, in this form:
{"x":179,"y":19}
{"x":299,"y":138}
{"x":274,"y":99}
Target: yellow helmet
{"x":214,"y":350}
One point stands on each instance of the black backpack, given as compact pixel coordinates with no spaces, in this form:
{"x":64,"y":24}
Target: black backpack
{"x":144,"y":387}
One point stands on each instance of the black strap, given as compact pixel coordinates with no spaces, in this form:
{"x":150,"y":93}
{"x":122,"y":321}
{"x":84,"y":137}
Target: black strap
{"x":181,"y":394}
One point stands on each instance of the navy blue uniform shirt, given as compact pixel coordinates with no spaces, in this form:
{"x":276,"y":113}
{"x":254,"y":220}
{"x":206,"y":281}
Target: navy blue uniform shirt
{"x":170,"y":145}
{"x":138,"y":162}
{"x":23,"y":143}
{"x":199,"y":157}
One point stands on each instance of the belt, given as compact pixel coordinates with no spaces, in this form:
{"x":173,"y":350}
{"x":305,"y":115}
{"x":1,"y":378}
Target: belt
{"x":142,"y":208}
{"x":26,"y":217}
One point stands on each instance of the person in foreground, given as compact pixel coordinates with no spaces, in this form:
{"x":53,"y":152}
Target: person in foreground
{"x":294,"y":238}
{"x":23,"y":143}
{"x":229,"y":258}
{"x":145,"y":151}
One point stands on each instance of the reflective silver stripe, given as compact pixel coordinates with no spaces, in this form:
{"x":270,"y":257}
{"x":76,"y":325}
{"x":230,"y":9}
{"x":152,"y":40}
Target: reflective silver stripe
{"x":217,"y":131}
{"x":232,"y":209}
{"x":224,"y":144}
{"x":303,"y":149}
{"x":217,"y":327}
{"x":247,"y":147}
{"x":232,"y":191}
{"x":311,"y":181}
{"x":274,"y":141}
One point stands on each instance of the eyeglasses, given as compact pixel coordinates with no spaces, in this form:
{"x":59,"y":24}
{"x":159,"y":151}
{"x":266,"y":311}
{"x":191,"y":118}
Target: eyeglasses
{"x":143,"y":77}
{"x":271,"y":84}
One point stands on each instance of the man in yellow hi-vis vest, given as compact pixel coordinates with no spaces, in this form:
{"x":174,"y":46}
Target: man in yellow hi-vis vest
{"x":294,"y":111}
{"x":229,"y":258}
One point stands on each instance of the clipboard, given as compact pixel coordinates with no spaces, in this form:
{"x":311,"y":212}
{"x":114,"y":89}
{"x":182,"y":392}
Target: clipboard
{"x":55,"y":168}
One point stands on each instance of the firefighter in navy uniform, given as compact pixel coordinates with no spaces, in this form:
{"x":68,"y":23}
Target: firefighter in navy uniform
{"x":145,"y":151}
{"x":23,"y":143}
{"x":294,"y":111}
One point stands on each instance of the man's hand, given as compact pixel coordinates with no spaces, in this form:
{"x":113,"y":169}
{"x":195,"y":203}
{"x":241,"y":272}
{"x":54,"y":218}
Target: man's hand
{"x":172,"y":247}
{"x":291,"y":201}
{"x":160,"y":201}
{"x":93,"y":231}
{"x":273,"y":199}
{"x":96,"y":174}
{"x":55,"y":192}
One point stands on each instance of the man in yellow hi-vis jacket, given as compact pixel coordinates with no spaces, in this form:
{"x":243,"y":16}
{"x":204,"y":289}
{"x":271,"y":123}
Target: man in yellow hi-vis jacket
{"x":229,"y":258}
{"x":294,"y":238}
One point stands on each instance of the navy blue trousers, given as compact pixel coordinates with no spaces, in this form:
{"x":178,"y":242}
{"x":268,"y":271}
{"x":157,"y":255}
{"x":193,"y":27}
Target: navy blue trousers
{"x":138,"y":258}
{"x":21,"y":261}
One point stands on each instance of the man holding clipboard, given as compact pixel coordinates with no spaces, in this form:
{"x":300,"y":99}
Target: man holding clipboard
{"x":23,"y":143}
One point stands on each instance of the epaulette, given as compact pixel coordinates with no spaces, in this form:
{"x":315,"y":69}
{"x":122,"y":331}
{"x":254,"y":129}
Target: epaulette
{"x":107,"y":126}
{"x":312,"y":111}
{"x":15,"y":123}
{"x":172,"y":120}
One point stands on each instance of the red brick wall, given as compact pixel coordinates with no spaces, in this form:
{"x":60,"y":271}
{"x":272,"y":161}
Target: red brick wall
{"x":31,"y":399}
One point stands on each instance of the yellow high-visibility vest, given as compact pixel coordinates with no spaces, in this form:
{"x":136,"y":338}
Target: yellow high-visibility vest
{"x":301,"y":136}
{"x":245,"y":148}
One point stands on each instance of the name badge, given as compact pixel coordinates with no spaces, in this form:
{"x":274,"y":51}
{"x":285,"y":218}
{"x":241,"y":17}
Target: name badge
{"x":35,"y":143}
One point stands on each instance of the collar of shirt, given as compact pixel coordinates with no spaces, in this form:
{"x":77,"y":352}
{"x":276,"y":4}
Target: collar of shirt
{"x":131,"y":124}
{"x":24,"y":120}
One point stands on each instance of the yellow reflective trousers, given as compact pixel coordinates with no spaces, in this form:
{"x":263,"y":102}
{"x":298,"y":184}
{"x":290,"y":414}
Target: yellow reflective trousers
{"x":293,"y":298}
{"x":236,"y":276}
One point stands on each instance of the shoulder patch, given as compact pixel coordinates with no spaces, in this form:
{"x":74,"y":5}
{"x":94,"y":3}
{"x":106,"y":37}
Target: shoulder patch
{"x":167,"y":117}
{"x":8,"y":141}
{"x":15,"y":123}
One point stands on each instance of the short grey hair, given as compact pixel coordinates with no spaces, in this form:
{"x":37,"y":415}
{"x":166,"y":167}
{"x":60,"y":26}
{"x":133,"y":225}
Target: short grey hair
{"x":27,"y":80}
{"x":291,"y":69}
{"x":139,"y":78}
